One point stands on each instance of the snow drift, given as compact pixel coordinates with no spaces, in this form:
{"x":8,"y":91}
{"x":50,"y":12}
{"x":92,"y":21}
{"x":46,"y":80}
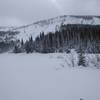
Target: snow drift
{"x":47,"y":77}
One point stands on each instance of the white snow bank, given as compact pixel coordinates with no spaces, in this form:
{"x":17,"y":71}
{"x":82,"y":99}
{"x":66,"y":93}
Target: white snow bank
{"x":35,"y":77}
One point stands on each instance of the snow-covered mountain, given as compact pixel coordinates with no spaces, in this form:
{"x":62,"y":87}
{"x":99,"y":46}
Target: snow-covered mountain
{"x":50,"y":25}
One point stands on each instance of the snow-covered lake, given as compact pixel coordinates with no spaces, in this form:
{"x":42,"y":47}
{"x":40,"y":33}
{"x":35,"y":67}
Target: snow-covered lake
{"x":46,"y":77}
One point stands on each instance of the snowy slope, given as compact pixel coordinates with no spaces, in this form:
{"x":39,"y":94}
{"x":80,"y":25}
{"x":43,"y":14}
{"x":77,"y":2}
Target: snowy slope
{"x":46,"y":77}
{"x":50,"y":25}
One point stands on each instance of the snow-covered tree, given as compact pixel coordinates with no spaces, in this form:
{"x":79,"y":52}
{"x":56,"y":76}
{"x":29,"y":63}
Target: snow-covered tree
{"x":81,"y":58}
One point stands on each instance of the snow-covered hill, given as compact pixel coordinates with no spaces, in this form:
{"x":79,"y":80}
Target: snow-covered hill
{"x":50,"y":25}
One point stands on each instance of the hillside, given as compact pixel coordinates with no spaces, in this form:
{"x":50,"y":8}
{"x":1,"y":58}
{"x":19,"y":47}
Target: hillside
{"x":50,"y":25}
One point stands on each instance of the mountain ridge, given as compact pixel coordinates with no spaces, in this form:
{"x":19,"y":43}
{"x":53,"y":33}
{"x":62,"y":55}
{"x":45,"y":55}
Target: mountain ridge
{"x":50,"y":25}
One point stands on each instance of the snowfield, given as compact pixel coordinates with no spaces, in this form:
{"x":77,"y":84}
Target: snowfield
{"x":47,"y":77}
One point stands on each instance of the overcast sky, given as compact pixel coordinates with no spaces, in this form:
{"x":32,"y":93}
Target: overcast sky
{"x":19,"y":12}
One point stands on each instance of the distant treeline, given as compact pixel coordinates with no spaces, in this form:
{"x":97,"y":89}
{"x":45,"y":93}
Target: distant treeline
{"x":71,"y":36}
{"x":7,"y":40}
{"x":67,"y":37}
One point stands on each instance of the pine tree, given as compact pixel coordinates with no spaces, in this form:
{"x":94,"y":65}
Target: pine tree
{"x":29,"y":46}
{"x":16,"y":49}
{"x":22,"y":43}
{"x":81,"y":59}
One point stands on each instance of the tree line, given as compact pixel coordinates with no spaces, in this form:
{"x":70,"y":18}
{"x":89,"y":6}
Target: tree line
{"x":71,"y":36}
{"x":67,"y":37}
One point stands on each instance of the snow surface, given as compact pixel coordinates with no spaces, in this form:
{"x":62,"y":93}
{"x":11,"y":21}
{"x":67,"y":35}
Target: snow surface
{"x":46,"y":77}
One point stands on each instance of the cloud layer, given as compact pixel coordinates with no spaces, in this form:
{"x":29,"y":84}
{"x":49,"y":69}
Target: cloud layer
{"x":15,"y":12}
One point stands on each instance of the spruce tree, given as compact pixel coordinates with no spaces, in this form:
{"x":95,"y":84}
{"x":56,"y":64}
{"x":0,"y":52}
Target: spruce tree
{"x":22,"y":43}
{"x":17,"y":49}
{"x":81,"y":57}
{"x":29,"y":47}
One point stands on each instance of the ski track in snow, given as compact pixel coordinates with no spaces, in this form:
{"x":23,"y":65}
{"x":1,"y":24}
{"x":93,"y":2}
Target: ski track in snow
{"x":45,"y":77}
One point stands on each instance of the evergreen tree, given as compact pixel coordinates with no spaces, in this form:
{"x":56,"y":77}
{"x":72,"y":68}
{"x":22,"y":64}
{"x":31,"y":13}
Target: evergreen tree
{"x":81,"y":57}
{"x":29,"y":47}
{"x":17,"y":49}
{"x":22,"y":43}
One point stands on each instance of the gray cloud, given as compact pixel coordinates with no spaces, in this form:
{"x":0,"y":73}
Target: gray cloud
{"x":17,"y":12}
